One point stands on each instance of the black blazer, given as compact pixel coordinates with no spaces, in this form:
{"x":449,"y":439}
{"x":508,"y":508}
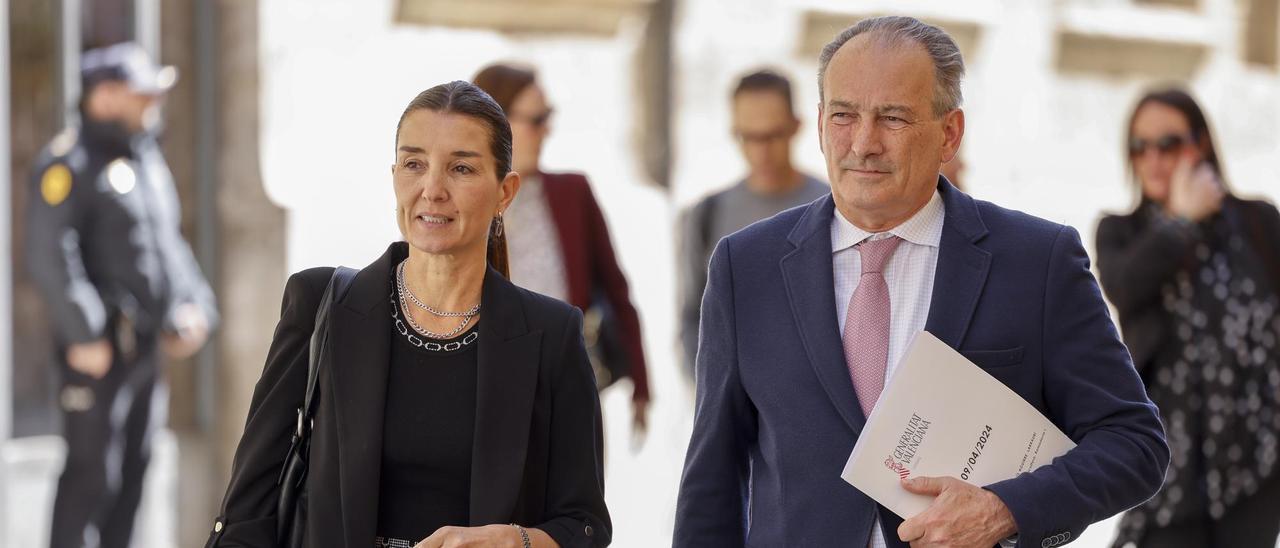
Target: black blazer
{"x":1139,"y":252}
{"x":537,"y":457}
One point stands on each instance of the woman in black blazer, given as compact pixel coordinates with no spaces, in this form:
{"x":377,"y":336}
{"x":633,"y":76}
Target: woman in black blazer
{"x":455,"y":409}
{"x":1194,"y":273}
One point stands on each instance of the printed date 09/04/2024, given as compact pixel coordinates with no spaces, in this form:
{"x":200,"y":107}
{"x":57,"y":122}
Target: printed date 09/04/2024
{"x":977,"y":452}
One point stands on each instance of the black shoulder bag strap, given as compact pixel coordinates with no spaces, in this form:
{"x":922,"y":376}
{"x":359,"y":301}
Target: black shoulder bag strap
{"x":292,"y":504}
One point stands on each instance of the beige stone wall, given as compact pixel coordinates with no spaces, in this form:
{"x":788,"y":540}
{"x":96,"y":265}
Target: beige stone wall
{"x":33,"y":120}
{"x":250,"y":271}
{"x":251,"y":239}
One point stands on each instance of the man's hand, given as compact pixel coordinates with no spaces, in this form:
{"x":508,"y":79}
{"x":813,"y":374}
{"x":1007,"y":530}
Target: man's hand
{"x":192,"y":329}
{"x":961,"y":515}
{"x":92,"y":358}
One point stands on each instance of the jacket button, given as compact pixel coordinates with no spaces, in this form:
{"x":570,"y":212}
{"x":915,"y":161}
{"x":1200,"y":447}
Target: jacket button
{"x":217,"y":526}
{"x":588,"y":530}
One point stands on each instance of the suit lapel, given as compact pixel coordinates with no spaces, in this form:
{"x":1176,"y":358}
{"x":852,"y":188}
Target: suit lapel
{"x":961,"y":274}
{"x":360,"y":349}
{"x":506,"y":382}
{"x":962,"y":268}
{"x":806,"y":271}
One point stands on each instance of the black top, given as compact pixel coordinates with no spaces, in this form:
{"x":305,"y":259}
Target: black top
{"x":427,"y":434}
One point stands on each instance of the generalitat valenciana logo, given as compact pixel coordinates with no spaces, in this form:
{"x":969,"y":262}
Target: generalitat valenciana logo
{"x":904,"y":455}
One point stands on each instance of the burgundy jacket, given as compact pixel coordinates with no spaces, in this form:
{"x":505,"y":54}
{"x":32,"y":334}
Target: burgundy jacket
{"x":590,"y":263}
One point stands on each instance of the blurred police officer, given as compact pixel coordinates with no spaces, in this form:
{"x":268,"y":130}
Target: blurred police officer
{"x":121,"y":285}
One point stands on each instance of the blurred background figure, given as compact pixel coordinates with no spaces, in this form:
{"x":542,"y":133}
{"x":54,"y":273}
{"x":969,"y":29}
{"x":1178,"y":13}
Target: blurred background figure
{"x":121,"y":284}
{"x":765,"y":125}
{"x":1194,"y":272}
{"x":558,"y":240}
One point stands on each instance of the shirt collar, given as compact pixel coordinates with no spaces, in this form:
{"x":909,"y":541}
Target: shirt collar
{"x":923,"y":228}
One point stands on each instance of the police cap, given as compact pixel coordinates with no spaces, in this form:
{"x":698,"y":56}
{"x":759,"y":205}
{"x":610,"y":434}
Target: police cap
{"x":126,"y":62}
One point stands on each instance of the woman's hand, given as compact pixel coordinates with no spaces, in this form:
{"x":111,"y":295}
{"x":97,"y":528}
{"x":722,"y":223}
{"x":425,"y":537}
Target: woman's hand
{"x":1194,"y":192}
{"x":640,"y":416}
{"x":497,"y":536}
{"x":487,"y":536}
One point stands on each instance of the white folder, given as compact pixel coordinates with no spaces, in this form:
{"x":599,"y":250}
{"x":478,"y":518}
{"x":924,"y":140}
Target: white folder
{"x":941,"y":415}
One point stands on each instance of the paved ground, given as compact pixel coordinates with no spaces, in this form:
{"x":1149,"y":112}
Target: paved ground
{"x":29,"y":469}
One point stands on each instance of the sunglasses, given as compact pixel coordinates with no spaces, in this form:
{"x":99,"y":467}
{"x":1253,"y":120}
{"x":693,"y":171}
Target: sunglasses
{"x":542,"y":119}
{"x":1165,"y":145}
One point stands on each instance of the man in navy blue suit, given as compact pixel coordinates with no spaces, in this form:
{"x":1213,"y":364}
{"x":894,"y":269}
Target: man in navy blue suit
{"x":805,"y":314}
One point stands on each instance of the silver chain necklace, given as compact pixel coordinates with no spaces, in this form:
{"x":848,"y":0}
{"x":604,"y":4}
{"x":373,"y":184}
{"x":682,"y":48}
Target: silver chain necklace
{"x":426,"y":332}
{"x":417,"y":341}
{"x":404,"y":291}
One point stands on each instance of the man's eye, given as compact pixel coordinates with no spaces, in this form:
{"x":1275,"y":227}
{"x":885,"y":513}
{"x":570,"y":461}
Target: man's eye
{"x":893,"y":121}
{"x":412,"y":164}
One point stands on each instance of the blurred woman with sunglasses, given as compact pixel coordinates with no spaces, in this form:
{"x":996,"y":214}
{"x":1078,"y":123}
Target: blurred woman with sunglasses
{"x":1194,"y":274}
{"x":559,"y":243}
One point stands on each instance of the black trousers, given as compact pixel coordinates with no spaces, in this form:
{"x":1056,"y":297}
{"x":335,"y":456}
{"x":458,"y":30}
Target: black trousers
{"x":1252,"y":523}
{"x":108,"y":425}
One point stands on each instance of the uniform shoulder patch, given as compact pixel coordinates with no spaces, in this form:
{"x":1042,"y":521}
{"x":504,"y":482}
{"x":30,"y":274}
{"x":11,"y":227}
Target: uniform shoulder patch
{"x":55,"y":184}
{"x":121,"y":175}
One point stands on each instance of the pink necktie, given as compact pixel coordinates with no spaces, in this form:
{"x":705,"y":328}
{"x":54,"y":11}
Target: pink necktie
{"x":866,"y":325}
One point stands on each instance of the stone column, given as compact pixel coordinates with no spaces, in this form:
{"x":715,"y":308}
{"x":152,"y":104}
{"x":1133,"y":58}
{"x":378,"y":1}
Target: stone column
{"x":237,"y":233}
{"x":252,"y":234}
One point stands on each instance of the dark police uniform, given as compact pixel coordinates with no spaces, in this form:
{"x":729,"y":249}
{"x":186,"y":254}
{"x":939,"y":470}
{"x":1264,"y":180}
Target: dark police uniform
{"x":104,"y":246}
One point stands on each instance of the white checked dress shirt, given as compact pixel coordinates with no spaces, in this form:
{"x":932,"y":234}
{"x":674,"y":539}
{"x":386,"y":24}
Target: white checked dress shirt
{"x":909,"y":275}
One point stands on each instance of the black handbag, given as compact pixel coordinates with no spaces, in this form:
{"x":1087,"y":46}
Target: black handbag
{"x":291,"y":508}
{"x":605,"y":348}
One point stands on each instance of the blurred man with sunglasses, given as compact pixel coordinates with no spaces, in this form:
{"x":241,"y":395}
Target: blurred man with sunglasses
{"x":764,"y":124}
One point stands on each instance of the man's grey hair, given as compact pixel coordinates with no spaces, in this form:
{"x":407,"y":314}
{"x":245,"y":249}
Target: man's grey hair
{"x":892,"y":30}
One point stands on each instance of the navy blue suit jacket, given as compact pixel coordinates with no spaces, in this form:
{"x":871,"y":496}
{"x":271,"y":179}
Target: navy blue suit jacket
{"x":777,"y":415}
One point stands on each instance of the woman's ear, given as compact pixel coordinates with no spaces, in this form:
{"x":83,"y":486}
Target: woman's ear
{"x":507,"y":190}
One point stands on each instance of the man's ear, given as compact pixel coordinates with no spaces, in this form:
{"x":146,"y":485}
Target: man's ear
{"x":819,"y":124}
{"x":952,"y":134}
